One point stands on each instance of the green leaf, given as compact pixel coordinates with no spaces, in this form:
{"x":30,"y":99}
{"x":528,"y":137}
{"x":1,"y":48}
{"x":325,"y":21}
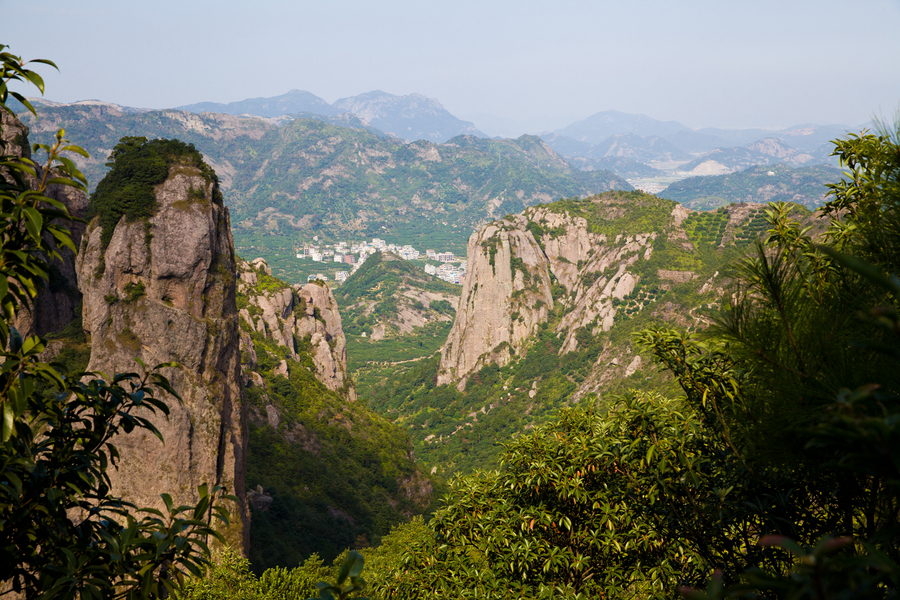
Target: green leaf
{"x":7,"y":429}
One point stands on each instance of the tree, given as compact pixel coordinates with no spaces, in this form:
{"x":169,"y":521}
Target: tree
{"x":61,"y":532}
{"x":813,"y":330}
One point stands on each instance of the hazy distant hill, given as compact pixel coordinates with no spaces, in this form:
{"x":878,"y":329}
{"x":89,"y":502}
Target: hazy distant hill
{"x":598,"y":127}
{"x":412,"y":117}
{"x":293,"y":102}
{"x":694,"y":141}
{"x":620,"y":153}
{"x":767,"y":151}
{"x":638,"y":147}
{"x":810,"y":138}
{"x":805,"y":185}
{"x":621,"y":166}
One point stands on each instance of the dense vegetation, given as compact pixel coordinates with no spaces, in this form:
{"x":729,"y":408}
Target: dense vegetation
{"x":338,"y":474}
{"x":136,"y":166}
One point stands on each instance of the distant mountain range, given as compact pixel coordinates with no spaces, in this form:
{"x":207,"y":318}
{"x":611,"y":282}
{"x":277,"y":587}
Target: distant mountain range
{"x":767,"y":151}
{"x":413,"y":117}
{"x":635,"y":141}
{"x":645,"y":140}
{"x":507,"y":175}
{"x":334,"y":177}
{"x":603,"y":135}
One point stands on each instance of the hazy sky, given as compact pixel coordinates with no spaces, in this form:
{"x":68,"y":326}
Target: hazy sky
{"x":719,"y":63}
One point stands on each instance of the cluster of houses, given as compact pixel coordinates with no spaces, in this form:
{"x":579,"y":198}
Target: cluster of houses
{"x":356,"y":253}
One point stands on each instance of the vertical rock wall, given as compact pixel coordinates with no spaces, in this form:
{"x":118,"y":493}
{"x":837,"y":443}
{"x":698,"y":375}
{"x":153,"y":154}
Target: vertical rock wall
{"x":293,"y":313}
{"x":505,"y":296}
{"x":507,"y":293}
{"x":164,"y":290}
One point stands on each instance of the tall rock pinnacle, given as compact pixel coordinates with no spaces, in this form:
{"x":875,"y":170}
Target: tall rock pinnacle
{"x":164,"y":290}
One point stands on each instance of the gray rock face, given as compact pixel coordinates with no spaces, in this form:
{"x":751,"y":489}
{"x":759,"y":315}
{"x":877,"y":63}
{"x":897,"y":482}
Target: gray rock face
{"x":293,"y":313}
{"x":501,"y":304}
{"x":164,"y":290}
{"x":507,"y":293}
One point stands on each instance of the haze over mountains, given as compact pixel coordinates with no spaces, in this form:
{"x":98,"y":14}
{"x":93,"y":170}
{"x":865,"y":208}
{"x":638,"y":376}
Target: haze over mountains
{"x":403,"y":166}
{"x":413,"y":117}
{"x":629,"y":145}
{"x":604,"y":134}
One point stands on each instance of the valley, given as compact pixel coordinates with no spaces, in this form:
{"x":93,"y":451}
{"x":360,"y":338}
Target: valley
{"x":400,"y":346}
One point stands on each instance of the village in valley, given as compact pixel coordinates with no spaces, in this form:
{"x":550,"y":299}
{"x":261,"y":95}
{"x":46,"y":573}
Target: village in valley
{"x":450,"y":268}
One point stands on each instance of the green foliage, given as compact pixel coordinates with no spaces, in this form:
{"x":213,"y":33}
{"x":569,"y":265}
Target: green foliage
{"x":572,"y":512}
{"x":618,"y":213}
{"x":813,"y":340}
{"x":230,"y":576}
{"x":341,"y":589}
{"x":134,"y":291}
{"x":137,"y":166}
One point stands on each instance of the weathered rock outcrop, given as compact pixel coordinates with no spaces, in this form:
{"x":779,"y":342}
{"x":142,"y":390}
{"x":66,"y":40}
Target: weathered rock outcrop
{"x":508,"y":294}
{"x":56,"y":304}
{"x":288,"y":315}
{"x":505,"y":295}
{"x":164,"y":290}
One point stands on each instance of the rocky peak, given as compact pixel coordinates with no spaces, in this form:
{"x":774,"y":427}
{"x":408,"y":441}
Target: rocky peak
{"x":164,"y":290}
{"x":505,"y":295}
{"x":584,"y":256}
{"x":291,"y":314}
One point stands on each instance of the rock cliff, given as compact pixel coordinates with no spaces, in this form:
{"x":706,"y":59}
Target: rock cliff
{"x":584,"y":257}
{"x":164,"y":290}
{"x":505,"y":295}
{"x":288,"y":315}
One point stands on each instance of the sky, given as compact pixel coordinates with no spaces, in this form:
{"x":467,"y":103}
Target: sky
{"x":540,"y":65}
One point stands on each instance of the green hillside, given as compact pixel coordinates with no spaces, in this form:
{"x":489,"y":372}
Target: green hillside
{"x":339,"y":474}
{"x":392,"y":312}
{"x":312,"y":177}
{"x":776,"y":183}
{"x":307,"y":177}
